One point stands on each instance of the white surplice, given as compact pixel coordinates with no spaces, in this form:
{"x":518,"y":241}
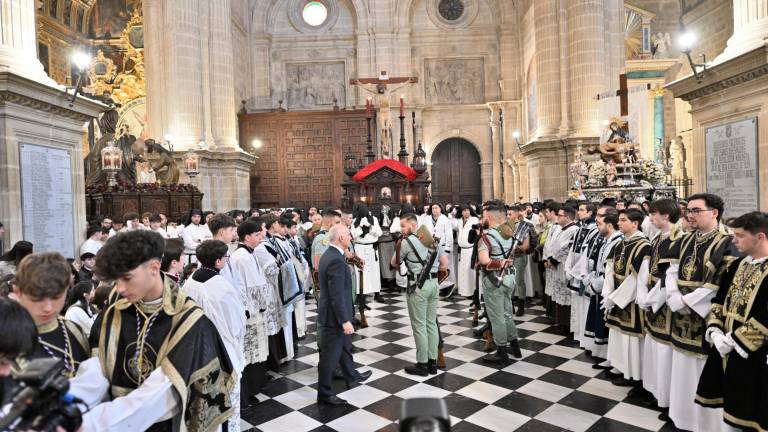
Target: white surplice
{"x":193,"y":235}
{"x":257,"y":299}
{"x":364,"y":248}
{"x":465,"y":275}
{"x":271,"y":269}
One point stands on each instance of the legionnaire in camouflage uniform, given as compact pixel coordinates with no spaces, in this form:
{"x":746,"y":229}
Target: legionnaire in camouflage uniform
{"x":493,"y":253}
{"x":422,"y":301}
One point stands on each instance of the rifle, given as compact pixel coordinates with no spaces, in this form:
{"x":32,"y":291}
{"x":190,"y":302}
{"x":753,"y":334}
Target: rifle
{"x":520,"y":231}
{"x":425,"y":269}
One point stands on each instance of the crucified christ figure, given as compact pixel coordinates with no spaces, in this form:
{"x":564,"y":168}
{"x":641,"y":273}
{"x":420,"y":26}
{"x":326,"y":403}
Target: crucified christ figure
{"x":378,"y":87}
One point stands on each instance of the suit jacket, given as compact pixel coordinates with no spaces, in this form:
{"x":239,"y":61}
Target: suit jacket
{"x":335,"y":304}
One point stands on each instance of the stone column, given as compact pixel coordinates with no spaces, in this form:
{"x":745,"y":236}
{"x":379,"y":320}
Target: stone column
{"x":18,"y":41}
{"x":493,"y":131}
{"x":486,"y":179}
{"x":587,"y":57}
{"x":548,"y":68}
{"x":222,"y":85}
{"x":750,"y":28}
{"x":658,"y":121}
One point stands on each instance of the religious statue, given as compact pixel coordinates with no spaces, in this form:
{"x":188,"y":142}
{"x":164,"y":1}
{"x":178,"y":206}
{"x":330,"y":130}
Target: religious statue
{"x":611,"y":150}
{"x":660,"y":45}
{"x":165,"y":169}
{"x":107,"y":124}
{"x":381,"y":94}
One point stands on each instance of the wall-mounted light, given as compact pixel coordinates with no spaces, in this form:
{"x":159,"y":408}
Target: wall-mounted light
{"x":257,"y":143}
{"x":516,"y":136}
{"x":81,"y":60}
{"x":687,"y":39}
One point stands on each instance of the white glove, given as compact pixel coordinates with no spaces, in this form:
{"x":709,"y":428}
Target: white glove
{"x":676,"y":303}
{"x":722,"y":343}
{"x":736,"y":346}
{"x":607,"y":304}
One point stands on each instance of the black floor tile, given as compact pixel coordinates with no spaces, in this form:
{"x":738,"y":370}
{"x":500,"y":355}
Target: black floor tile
{"x":389,"y":408}
{"x":449,"y":381}
{"x":523,"y":404}
{"x":609,"y":425}
{"x":564,"y":379}
{"x":264,"y":411}
{"x":588,"y":402}
{"x":392,"y":383}
{"x":391,"y":349}
{"x":461,"y":406}
{"x":507,"y":380}
{"x":545,"y":360}
{"x":534,"y":425}
{"x":280,"y":386}
{"x":326,"y":413}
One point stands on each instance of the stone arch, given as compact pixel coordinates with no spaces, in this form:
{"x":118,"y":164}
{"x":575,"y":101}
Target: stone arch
{"x":470,"y":137}
{"x":264,"y":12}
{"x":456,"y":169}
{"x":404,"y":11}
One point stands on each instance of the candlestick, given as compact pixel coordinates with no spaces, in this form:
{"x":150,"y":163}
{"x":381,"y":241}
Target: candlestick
{"x":402,"y":106}
{"x":369,"y":107}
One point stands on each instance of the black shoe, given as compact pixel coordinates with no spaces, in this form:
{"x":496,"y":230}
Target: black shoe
{"x":499,"y":357}
{"x":355,"y":322}
{"x":610,"y":375}
{"x":479,"y":332}
{"x":378,"y":298}
{"x":622,"y":382}
{"x":361,"y":377}
{"x":598,"y":366}
{"x":520,"y":309}
{"x":419,"y":369}
{"x":432,"y":367}
{"x":331,"y":400}
{"x":514,"y":349}
{"x":664,"y":416}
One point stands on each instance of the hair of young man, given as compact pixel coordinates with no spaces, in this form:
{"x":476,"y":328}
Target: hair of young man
{"x":410,"y":217}
{"x":569,"y":211}
{"x":19,"y":330}
{"x":268,"y":219}
{"x":155,"y":218}
{"x":247,"y":228}
{"x":553,"y":206}
{"x":515,"y":208}
{"x":666,"y":206}
{"x":634,"y":215}
{"x":189,"y":269}
{"x":711,"y":200}
{"x":752,"y":222}
{"x":330,"y":212}
{"x":101,"y":295}
{"x":286,"y":220}
{"x":221,"y":221}
{"x":130,"y":216}
{"x":93,"y":229}
{"x":210,"y":251}
{"x":126,"y":251}
{"x":590,"y":206}
{"x":173,"y":250}
{"x":611,"y":216}
{"x":43,"y":275}
{"x":79,"y":291}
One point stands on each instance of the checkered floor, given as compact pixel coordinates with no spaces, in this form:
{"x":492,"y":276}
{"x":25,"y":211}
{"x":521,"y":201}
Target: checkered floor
{"x":553,"y":388}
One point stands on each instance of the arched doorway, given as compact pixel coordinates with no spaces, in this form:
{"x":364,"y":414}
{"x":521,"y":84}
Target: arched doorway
{"x":456,"y":172}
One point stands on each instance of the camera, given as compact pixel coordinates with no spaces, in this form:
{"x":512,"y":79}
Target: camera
{"x":40,"y":401}
{"x":424,"y":415}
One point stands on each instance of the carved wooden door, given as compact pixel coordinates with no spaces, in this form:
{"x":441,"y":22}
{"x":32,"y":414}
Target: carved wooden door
{"x":456,"y":172}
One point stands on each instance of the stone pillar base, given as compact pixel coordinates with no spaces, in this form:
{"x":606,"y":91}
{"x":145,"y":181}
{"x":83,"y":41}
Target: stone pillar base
{"x":224,"y":179}
{"x":37,"y":118}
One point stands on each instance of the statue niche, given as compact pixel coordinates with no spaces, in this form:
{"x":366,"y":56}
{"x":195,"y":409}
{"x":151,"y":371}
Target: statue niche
{"x":94,"y":174}
{"x":164,"y":166}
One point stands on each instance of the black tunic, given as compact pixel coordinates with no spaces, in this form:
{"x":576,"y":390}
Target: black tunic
{"x":737,"y":384}
{"x":627,"y":258}
{"x":658,"y":323}
{"x":75,"y":344}
{"x":704,"y":268}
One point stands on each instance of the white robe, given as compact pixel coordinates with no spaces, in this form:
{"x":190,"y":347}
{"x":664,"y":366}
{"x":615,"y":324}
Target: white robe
{"x":465,"y":275}
{"x":550,"y":245}
{"x":272,"y":272}
{"x":91,"y":245}
{"x":686,"y":369}
{"x":625,"y":352}
{"x":443,"y":229}
{"x":193,"y":235}
{"x":401,"y":276}
{"x":257,"y":296}
{"x":364,"y":248}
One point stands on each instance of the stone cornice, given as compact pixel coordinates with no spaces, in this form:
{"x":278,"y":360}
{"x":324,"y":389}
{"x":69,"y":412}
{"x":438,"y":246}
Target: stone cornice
{"x":733,"y":72}
{"x":25,"y":92}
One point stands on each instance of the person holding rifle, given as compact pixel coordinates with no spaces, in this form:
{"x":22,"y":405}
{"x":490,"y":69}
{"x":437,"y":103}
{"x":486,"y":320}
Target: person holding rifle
{"x":493,"y":254}
{"x":425,"y":262}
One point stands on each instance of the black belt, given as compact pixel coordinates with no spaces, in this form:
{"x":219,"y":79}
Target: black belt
{"x":414,"y":277}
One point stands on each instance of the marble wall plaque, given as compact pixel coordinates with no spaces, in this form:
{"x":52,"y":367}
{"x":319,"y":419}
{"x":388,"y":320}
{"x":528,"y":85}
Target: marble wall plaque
{"x":314,"y":85}
{"x":47,"y":199}
{"x":454,"y":81}
{"x":731,"y":153}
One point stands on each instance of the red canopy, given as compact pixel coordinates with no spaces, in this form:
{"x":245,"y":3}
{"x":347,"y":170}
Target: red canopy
{"x":392,"y":164}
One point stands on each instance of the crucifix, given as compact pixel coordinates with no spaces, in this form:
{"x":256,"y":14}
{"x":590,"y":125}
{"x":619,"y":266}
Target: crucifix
{"x":379,"y":88}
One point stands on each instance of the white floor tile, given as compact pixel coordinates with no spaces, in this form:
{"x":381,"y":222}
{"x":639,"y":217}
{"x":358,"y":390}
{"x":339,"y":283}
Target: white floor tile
{"x":473,"y":371}
{"x":568,"y":418}
{"x":497,"y":419}
{"x":298,"y":398}
{"x":579,"y":368}
{"x":604,"y":389}
{"x":464,"y":354}
{"x":362,"y":396}
{"x":526,"y":369}
{"x":545,"y":337}
{"x":484,"y":392}
{"x":636,"y":416}
{"x":422,"y":390}
{"x":358,"y":421}
{"x":294,"y":422}
{"x":562,"y":351}
{"x":544,"y":390}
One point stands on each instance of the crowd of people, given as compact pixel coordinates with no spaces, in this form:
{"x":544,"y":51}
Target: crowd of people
{"x":161,"y":323}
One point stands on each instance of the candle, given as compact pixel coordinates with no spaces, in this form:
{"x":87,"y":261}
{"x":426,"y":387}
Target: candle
{"x":402,"y":112}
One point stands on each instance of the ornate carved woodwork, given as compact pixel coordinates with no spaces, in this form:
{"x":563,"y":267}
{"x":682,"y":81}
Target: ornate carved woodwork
{"x":301,"y":155}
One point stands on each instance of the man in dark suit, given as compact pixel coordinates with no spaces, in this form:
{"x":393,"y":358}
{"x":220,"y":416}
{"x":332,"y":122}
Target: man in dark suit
{"x":334,"y":317}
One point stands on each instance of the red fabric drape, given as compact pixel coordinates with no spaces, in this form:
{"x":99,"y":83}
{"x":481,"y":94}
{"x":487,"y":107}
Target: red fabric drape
{"x":392,"y":164}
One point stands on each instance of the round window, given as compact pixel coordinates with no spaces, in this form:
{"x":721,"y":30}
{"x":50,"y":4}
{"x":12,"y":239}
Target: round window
{"x":451,"y":10}
{"x":315,"y":13}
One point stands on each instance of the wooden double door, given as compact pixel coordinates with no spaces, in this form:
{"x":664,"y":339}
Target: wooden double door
{"x":456,"y":172}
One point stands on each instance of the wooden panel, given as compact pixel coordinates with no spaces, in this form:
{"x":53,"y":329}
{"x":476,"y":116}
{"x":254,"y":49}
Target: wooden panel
{"x":456,"y":172}
{"x":301,"y":159}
